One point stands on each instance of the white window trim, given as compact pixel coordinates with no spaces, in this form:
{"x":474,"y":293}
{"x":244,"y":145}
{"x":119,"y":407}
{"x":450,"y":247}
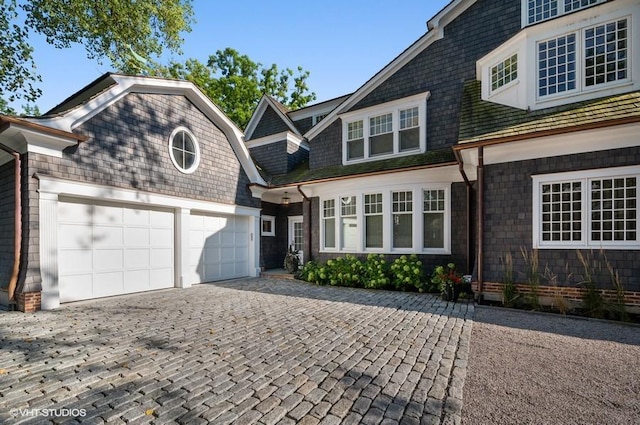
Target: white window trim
{"x":561,"y":12}
{"x":394,"y":107}
{"x":417,"y":224}
{"x":268,"y":218}
{"x":585,"y":177}
{"x":581,"y":87}
{"x":196,"y":145}
{"x":510,"y":83}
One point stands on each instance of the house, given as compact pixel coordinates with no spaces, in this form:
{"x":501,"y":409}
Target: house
{"x":132,"y":184}
{"x":509,"y":126}
{"x":509,"y":130}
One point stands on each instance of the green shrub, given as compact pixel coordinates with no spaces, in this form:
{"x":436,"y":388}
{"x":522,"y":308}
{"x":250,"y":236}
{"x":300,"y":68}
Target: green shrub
{"x":407,"y":273}
{"x":376,"y":272}
{"x":345,"y":271}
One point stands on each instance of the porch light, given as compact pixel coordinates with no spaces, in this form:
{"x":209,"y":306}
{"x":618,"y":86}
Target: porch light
{"x":285,"y":199}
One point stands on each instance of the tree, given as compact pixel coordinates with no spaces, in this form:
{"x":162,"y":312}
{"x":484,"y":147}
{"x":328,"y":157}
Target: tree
{"x":109,"y":29}
{"x":236,"y":83}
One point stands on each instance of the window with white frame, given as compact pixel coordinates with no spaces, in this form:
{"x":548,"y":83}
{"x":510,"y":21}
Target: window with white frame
{"x":317,"y":118}
{"x":416,"y":219}
{"x":402,"y":216}
{"x":355,"y":140}
{"x":605,"y":53}
{"x":329,"y":223}
{"x":541,"y":10}
{"x":593,"y":209}
{"x":268,"y":225}
{"x":373,"y":220}
{"x":409,"y":129}
{"x":504,"y":72}
{"x":184,"y":150}
{"x":394,"y":128}
{"x":381,"y":135}
{"x":602,"y":59}
{"x":434,"y":218}
{"x":348,"y":223}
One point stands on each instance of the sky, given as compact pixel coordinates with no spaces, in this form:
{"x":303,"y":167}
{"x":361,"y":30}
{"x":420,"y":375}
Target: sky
{"x":342,"y":43}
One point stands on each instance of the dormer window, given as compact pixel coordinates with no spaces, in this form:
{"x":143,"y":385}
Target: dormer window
{"x":390,"y":129}
{"x":541,"y":10}
{"x":504,"y":72}
{"x":603,"y":57}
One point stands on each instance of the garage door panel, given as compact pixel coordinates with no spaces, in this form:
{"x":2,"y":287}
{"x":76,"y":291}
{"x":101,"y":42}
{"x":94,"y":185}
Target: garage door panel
{"x":110,"y":249}
{"x":107,"y":259}
{"x":76,"y":287}
{"x":161,"y":257}
{"x":107,"y":284}
{"x":106,"y":236}
{"x":137,"y":236}
{"x":137,"y":280}
{"x":137,"y":258}
{"x":75,"y":235}
{"x":102,"y":214}
{"x":160,"y":237}
{"x":133,"y":217}
{"x":219,"y":247}
{"x":74,"y":261}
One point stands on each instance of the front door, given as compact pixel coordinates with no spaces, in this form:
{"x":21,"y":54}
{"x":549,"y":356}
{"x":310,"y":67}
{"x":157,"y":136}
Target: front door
{"x":296,"y":235}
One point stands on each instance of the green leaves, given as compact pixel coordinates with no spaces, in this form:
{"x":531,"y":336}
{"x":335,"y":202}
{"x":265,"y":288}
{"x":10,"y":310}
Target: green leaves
{"x":116,"y":30}
{"x":236,"y":83}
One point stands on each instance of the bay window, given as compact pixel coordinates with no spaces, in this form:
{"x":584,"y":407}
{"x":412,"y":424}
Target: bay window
{"x":373,"y":220}
{"x":402,"y":219}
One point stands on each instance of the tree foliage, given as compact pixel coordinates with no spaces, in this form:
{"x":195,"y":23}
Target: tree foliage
{"x":236,"y":83}
{"x":108,"y":29}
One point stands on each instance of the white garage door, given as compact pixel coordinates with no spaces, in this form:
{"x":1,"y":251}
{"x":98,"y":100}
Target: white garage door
{"x":106,"y":250}
{"x":219,"y":247}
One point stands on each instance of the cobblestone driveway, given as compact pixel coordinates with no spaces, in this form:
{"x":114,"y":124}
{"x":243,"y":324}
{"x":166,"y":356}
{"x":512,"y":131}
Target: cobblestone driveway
{"x":247,"y":351}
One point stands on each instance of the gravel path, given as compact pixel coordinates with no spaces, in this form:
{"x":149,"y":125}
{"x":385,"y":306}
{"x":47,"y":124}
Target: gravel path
{"x":527,"y":368}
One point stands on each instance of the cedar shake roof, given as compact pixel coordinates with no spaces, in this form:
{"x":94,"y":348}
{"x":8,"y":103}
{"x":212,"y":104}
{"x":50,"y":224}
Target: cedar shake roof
{"x":485,"y":121}
{"x":303,"y":174}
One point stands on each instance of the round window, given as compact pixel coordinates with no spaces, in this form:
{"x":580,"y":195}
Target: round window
{"x":184,"y":150}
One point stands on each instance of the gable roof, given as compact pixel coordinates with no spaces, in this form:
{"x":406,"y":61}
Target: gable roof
{"x":435,"y":31}
{"x":111,"y":88}
{"x":482,"y":121}
{"x":280,"y":110}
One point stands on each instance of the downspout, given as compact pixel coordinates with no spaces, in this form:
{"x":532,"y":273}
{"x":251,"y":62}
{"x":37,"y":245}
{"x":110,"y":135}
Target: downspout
{"x":480,"y":218}
{"x":308,"y":227}
{"x":17,"y":214}
{"x":468,"y":209}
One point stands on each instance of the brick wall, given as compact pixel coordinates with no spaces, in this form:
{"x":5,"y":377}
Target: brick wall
{"x":441,"y":69}
{"x":508,"y":218}
{"x":269,"y":124}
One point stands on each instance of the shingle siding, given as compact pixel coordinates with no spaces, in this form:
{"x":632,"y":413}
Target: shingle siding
{"x":274,"y":248}
{"x":128,"y":147}
{"x":441,"y":69}
{"x":269,"y":124}
{"x":508,"y":218}
{"x":272,"y":158}
{"x":7,"y":217}
{"x":304,"y":124}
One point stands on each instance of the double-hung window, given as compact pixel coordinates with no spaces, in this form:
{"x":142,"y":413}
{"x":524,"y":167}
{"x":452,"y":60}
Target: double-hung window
{"x":587,"y":209}
{"x":402,"y":216}
{"x":373,"y":220}
{"x":386,"y":130}
{"x":434,"y":218}
{"x":594,"y":57}
{"x":329,"y":223}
